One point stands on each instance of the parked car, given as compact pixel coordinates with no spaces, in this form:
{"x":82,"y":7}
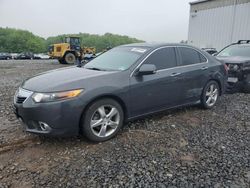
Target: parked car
{"x":14,"y":55}
{"x":25,"y":55}
{"x":41,"y":56}
{"x":88,"y":57}
{"x":122,"y":84}
{"x":237,"y":57}
{"x":210,"y":50}
{"x":5,"y":56}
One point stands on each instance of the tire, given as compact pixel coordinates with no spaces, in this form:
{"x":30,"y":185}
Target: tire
{"x":103,"y":119}
{"x":246,"y":87}
{"x":61,"y":61}
{"x":70,"y":58}
{"x":210,"y":95}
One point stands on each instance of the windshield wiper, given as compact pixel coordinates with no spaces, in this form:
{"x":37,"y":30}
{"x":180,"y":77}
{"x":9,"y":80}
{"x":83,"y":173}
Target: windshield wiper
{"x":94,"y":68}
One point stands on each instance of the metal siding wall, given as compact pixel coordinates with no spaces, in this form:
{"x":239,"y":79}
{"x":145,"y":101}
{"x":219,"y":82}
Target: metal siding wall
{"x":242,"y":22}
{"x":213,"y":27}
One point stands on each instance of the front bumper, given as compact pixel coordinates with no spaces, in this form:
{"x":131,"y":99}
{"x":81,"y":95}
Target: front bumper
{"x":60,"y":118}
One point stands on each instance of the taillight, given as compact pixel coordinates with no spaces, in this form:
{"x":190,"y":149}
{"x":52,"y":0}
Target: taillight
{"x":226,"y":67}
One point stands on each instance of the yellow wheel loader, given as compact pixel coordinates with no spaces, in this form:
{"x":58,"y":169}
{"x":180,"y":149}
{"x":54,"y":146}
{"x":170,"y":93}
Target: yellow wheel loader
{"x":69,"y":51}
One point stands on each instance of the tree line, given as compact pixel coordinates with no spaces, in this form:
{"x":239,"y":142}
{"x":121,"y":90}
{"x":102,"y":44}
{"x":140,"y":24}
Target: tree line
{"x":17,"y":40}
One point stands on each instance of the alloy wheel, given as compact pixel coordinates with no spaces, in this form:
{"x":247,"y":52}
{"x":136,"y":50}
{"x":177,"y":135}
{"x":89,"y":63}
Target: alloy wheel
{"x":212,"y":94}
{"x":105,"y":120}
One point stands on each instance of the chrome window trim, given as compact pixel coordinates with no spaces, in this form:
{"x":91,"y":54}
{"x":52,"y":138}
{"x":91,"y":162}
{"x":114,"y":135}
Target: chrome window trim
{"x":132,"y":73}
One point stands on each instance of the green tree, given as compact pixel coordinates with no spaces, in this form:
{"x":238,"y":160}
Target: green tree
{"x":100,"y":42}
{"x":16,"y":40}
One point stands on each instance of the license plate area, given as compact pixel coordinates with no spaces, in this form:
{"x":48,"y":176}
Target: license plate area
{"x":232,"y":79}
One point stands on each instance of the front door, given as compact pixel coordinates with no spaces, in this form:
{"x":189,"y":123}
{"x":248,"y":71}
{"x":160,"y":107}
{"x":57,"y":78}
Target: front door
{"x":150,"y":93}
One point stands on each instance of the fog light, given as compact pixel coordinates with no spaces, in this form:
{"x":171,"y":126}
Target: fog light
{"x":44,"y":126}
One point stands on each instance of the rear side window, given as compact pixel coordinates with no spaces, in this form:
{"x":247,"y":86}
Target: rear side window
{"x":190,"y":56}
{"x":202,"y":58}
{"x":163,"y":58}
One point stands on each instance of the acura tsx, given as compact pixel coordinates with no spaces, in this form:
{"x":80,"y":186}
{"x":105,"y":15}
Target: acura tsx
{"x":122,"y":84}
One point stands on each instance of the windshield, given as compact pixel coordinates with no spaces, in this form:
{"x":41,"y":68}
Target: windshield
{"x":237,"y":50}
{"x":118,"y":59}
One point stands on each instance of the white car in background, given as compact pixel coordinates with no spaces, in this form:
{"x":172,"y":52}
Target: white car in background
{"x":14,"y":55}
{"x":42,"y":56}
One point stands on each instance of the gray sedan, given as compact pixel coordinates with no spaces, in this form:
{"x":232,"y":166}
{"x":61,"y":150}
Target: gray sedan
{"x":120,"y":85}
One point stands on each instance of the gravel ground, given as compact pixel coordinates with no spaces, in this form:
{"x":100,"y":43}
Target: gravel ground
{"x":187,"y":147}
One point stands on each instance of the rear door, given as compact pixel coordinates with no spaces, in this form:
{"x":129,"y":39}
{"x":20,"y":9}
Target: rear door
{"x":194,"y":68}
{"x":154,"y":92}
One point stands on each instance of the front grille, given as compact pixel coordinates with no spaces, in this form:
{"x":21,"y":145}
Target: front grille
{"x":20,"y":100}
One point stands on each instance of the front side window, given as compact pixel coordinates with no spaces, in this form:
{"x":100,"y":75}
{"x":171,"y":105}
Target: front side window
{"x":67,"y":40}
{"x":117,"y":59}
{"x":75,"y":41}
{"x":163,"y":58}
{"x":236,"y":50}
{"x":190,"y":56}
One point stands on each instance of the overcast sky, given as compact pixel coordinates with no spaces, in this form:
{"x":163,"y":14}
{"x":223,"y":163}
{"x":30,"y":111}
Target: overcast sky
{"x":149,"y":20}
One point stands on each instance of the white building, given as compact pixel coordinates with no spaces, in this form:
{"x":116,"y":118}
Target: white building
{"x":217,"y":23}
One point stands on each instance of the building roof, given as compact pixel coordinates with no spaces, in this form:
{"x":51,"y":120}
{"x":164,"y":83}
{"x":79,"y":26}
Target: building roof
{"x":199,"y":1}
{"x":210,"y":4}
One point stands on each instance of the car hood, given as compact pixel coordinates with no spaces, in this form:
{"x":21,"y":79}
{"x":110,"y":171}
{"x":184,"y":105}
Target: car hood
{"x":233,"y":59}
{"x":62,"y":79}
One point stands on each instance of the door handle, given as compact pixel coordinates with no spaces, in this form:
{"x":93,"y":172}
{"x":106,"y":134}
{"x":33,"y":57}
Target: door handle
{"x":204,"y":68}
{"x":175,"y":74}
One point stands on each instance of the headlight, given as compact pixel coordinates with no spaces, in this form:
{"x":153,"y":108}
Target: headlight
{"x":51,"y":97}
{"x":235,"y":67}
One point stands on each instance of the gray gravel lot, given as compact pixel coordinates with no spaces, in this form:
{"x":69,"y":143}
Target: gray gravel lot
{"x":187,"y":147}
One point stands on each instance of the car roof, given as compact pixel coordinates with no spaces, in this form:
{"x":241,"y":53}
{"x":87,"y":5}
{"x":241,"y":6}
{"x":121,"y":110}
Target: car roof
{"x":156,"y":45}
{"x":244,"y":44}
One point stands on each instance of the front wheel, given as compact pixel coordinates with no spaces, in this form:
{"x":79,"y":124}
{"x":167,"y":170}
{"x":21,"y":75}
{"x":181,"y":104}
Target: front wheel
{"x":103,"y":119}
{"x":246,"y":87}
{"x":70,"y":58}
{"x":210,"y":94}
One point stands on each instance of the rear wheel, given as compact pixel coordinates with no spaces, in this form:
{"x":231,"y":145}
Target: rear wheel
{"x":70,"y":58}
{"x":103,"y":120}
{"x":210,"y":94}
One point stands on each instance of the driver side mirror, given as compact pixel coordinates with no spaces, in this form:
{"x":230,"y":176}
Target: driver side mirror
{"x":146,"y":69}
{"x":215,"y":54}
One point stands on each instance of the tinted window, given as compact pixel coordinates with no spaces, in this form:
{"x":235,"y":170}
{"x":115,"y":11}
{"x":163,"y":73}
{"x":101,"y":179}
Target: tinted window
{"x":162,"y":58}
{"x":75,"y":41}
{"x":190,"y":56}
{"x":202,"y":58}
